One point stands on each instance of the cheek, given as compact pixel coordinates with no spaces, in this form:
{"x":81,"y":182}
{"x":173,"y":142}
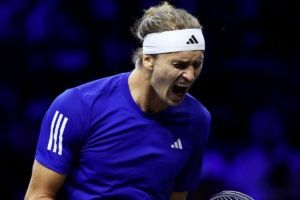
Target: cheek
{"x":160,"y":74}
{"x":161,"y":80}
{"x":198,"y":71}
{"x":165,"y":77}
{"x":156,"y":78}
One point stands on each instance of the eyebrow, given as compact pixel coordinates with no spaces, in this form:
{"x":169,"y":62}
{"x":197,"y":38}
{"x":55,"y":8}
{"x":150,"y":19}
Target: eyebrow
{"x":186,"y":61}
{"x":180,"y":60}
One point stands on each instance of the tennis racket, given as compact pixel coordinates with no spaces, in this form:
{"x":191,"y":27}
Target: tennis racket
{"x":230,"y":195}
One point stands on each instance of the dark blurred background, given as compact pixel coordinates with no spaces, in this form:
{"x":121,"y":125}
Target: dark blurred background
{"x":250,"y":83}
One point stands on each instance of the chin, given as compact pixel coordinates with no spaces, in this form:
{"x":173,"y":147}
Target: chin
{"x":175,"y":102}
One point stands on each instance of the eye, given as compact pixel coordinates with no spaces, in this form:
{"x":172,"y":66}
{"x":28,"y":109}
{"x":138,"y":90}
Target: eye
{"x":180,"y":65}
{"x":197,"y":64}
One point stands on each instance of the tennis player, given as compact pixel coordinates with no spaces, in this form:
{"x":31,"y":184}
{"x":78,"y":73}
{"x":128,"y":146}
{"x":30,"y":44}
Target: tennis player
{"x":137,"y":135}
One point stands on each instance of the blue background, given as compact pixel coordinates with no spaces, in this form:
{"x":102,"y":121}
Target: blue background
{"x":250,"y":83}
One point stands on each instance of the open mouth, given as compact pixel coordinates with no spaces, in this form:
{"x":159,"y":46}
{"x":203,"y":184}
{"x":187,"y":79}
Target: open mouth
{"x":179,"y":89}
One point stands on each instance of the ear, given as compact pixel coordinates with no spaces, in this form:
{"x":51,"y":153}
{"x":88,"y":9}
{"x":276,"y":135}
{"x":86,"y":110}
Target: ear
{"x":148,"y":62}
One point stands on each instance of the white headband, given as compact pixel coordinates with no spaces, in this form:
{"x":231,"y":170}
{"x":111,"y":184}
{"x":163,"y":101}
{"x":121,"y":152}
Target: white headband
{"x":173,"y":41}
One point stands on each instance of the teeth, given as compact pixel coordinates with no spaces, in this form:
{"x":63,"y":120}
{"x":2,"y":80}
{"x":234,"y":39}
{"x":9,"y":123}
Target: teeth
{"x":181,"y":85}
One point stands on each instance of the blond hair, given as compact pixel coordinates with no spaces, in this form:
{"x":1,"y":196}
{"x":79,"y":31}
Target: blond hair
{"x":163,"y":17}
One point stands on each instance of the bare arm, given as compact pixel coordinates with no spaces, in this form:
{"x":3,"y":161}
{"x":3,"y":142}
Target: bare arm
{"x":44,"y":183}
{"x":178,"y":196}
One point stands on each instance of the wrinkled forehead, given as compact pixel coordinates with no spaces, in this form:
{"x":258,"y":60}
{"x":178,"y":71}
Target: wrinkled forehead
{"x":185,"y":56}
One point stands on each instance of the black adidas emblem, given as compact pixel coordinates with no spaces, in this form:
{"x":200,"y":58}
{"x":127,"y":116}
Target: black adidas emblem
{"x":192,"y":40}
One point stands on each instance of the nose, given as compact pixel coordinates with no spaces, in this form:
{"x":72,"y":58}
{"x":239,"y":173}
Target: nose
{"x":190,"y":73}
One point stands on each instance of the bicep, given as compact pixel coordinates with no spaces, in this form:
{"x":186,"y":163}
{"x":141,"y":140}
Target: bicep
{"x":178,"y":196}
{"x":44,"y":183}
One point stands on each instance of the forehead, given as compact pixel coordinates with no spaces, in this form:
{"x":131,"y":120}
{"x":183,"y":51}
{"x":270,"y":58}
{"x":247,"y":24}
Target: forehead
{"x":183,"y":55}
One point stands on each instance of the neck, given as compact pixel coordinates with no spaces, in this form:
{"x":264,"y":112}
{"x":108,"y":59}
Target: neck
{"x":143,"y":93}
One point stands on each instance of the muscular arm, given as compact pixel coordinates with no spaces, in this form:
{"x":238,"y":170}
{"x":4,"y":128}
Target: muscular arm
{"x":178,"y":196}
{"x":44,"y":183}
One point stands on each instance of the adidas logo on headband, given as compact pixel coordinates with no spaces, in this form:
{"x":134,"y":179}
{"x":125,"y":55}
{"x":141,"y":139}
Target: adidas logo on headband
{"x":174,"y":41}
{"x":192,"y":40}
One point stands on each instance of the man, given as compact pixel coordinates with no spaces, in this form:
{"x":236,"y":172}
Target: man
{"x":136,"y":135}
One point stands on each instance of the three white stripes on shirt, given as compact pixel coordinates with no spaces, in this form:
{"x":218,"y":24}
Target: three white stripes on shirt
{"x":56,"y":133}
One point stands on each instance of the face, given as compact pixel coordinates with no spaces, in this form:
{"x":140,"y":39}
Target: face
{"x":174,"y":73}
